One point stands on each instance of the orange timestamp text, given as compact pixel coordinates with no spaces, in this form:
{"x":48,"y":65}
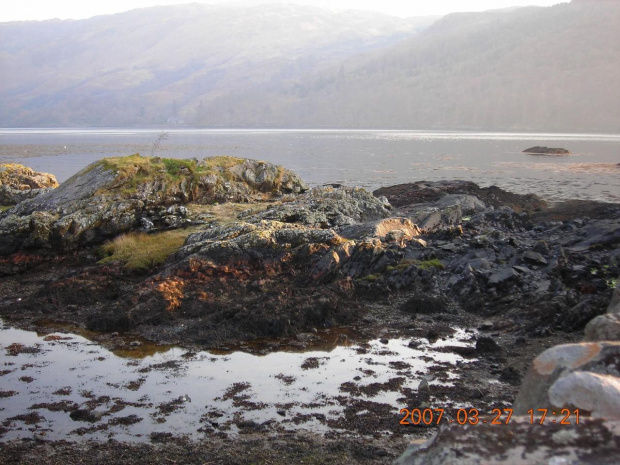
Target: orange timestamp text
{"x":497,"y":416}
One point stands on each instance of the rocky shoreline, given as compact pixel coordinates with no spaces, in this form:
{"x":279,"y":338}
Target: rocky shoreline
{"x":265,"y":257}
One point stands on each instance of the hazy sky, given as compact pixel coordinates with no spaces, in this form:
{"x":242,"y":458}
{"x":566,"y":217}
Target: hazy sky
{"x":78,"y":9}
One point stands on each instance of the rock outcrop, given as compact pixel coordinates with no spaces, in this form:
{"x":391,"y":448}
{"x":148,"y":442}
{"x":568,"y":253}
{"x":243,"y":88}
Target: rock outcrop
{"x":18,"y":183}
{"x":271,"y":263}
{"x":120,"y":194}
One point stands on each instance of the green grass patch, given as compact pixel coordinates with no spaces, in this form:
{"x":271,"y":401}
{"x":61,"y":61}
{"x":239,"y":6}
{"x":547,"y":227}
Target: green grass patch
{"x":214,"y":164}
{"x":433,"y":263}
{"x":4,"y":208}
{"x":174,"y":166}
{"x":140,"y":251}
{"x":425,"y":265}
{"x":402,"y":265}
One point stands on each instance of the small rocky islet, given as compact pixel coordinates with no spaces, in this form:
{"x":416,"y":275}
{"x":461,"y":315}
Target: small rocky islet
{"x":539,"y":150}
{"x":244,"y":250}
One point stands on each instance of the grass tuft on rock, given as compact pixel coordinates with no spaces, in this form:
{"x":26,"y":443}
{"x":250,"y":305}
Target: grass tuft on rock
{"x":140,"y":251}
{"x":432,"y":263}
{"x":135,"y":169}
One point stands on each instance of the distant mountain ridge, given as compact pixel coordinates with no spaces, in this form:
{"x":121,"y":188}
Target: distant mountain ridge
{"x":538,"y":69}
{"x":531,"y":69}
{"x":150,"y":65}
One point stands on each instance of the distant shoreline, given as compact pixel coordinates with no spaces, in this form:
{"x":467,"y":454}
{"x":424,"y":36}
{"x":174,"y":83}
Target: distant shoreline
{"x":45,"y":129}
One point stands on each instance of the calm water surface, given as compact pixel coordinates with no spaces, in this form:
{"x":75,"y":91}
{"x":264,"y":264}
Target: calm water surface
{"x":365,"y":158}
{"x":60,"y":369}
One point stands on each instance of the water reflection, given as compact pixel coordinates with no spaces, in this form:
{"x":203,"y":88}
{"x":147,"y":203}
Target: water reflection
{"x":45,"y":378}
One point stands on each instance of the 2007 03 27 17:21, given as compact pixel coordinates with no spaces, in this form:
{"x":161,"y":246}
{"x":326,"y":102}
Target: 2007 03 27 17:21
{"x":497,"y":416}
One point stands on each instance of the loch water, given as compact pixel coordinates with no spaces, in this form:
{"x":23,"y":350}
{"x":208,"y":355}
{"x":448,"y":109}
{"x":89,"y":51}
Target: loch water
{"x":366,"y":158}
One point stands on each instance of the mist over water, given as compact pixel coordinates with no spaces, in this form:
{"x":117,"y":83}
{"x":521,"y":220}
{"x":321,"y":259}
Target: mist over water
{"x":367,"y":158}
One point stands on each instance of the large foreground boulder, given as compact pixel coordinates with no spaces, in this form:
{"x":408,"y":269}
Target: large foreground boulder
{"x":584,"y":376}
{"x":118,"y":194}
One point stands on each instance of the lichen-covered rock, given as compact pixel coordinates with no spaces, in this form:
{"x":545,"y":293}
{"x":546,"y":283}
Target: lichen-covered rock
{"x":445,"y":212}
{"x":603,"y":328}
{"x":18,"y":183}
{"x":326,"y":250}
{"x":614,"y":304}
{"x":24,"y":178}
{"x":327,"y":207}
{"x":390,"y":229}
{"x":246,"y":242}
{"x":606,"y":327}
{"x":117,"y":194}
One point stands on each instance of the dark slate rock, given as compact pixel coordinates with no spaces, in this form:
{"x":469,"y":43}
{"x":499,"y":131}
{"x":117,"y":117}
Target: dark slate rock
{"x":502,"y":276}
{"x":425,"y":304}
{"x":487,"y":344}
{"x":534,"y":257}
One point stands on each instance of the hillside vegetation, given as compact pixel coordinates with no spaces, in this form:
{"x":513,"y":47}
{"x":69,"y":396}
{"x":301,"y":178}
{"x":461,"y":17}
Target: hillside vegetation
{"x":553,"y":69}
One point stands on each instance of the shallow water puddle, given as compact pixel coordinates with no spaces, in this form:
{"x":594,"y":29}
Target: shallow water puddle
{"x":63,"y":386}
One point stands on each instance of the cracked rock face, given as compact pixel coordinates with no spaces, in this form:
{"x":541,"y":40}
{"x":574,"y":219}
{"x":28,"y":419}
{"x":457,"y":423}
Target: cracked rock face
{"x":327,"y":207}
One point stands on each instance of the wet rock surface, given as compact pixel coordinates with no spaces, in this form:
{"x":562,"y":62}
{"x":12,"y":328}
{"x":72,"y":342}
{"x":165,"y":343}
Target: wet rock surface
{"x":415,"y":260}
